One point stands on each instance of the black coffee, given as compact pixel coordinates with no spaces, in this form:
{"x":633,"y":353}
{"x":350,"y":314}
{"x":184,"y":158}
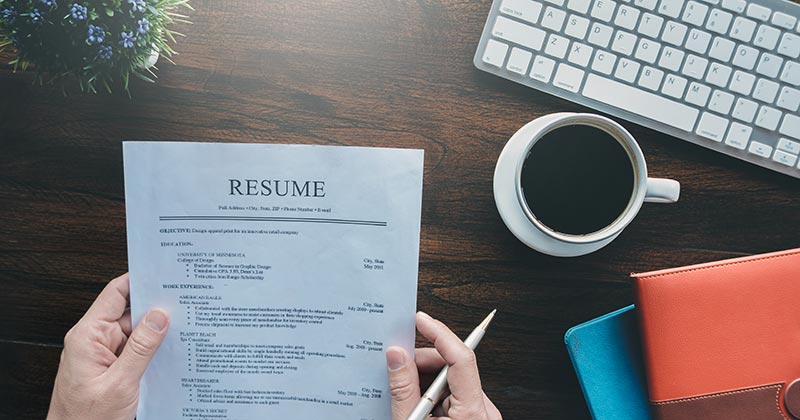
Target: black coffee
{"x":577,"y":179}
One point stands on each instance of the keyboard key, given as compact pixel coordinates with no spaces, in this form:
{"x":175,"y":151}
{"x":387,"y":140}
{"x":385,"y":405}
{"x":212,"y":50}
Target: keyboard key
{"x":600,"y":35}
{"x":791,"y":73}
{"x":495,"y":53}
{"x":518,"y":61}
{"x":769,"y":65}
{"x":745,"y":110}
{"x":745,"y":57}
{"x":553,"y":18}
{"x":556,"y":46}
{"x":624,"y":42}
{"x":759,"y":149}
{"x":742,"y":82}
{"x":518,"y":33}
{"x":765,"y":90}
{"x":651,"y":78}
{"x":645,"y":104}
{"x":646,"y":4}
{"x":627,"y":17}
{"x":759,"y":12}
{"x":671,"y":59}
{"x":627,"y":70}
{"x":580,"y":6}
{"x":718,"y":75}
{"x":526,"y":10}
{"x":785,"y":158}
{"x":647,"y":50}
{"x":738,"y":135}
{"x":789,"y":99}
{"x":768,"y":118}
{"x":721,"y":102}
{"x":783,"y":20}
{"x":790,"y":45}
{"x":791,"y":126}
{"x":698,"y":94}
{"x":698,"y":41}
{"x":604,"y":62}
{"x":712,"y":127}
{"x":695,"y":67}
{"x":719,"y":21}
{"x":674,"y":86}
{"x":766,"y":37}
{"x":556,"y":2}
{"x":721,"y":49}
{"x":671,"y":8}
{"x":542,"y":69}
{"x":736,"y":6}
{"x":603,"y":9}
{"x":568,"y":78}
{"x":580,"y":54}
{"x":577,"y":26}
{"x":650,"y":25}
{"x":695,"y":13}
{"x":674,"y":33}
{"x":789,"y":146}
{"x":743,"y":29}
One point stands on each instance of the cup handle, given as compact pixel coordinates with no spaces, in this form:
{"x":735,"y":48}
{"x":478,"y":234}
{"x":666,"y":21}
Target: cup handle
{"x":661,"y":190}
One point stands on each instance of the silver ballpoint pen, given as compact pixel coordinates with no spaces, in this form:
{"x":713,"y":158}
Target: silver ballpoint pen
{"x":434,"y":394}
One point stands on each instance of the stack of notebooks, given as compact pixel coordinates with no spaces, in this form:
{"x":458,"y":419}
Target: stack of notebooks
{"x":712,"y":341}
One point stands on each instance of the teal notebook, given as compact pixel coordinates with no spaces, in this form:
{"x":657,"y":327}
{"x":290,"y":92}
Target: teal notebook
{"x":606,"y":353}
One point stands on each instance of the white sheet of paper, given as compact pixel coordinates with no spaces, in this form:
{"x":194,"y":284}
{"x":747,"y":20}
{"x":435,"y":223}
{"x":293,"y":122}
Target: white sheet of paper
{"x":286,"y":270}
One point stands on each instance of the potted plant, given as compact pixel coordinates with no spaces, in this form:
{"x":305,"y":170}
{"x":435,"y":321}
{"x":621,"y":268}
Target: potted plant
{"x":96,"y":42}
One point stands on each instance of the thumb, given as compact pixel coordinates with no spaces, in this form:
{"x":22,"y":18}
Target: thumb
{"x":141,"y":346}
{"x":403,"y":382}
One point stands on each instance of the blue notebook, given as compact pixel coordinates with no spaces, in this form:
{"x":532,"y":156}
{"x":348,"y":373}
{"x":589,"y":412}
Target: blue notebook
{"x":606,"y":353}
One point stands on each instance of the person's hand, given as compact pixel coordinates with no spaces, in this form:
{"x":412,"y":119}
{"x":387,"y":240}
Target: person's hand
{"x":467,"y":401}
{"x":104,"y":359}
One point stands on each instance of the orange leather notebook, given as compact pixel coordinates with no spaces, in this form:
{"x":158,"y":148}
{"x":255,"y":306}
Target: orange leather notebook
{"x":722,"y":340}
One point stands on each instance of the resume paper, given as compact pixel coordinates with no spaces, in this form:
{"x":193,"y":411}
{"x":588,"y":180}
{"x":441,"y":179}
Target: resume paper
{"x":286,"y":270}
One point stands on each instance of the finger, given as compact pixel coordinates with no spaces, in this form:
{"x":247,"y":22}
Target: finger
{"x":111,"y":302}
{"x":428,"y":360}
{"x":125,"y":322}
{"x":491,"y":409}
{"x":462,"y":376}
{"x":403,"y":382}
{"x":141,"y":346}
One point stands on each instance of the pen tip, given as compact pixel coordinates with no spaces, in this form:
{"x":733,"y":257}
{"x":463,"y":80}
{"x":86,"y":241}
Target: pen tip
{"x":485,"y":323}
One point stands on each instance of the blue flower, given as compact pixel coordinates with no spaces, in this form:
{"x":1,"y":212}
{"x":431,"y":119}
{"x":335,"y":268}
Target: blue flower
{"x":10,"y":15}
{"x":37,"y":17}
{"x":144,"y":26}
{"x":136,"y":5}
{"x":49,"y":3}
{"x":127,"y":39}
{"x":96,"y":35}
{"x":104,"y":52}
{"x":78,"y":12}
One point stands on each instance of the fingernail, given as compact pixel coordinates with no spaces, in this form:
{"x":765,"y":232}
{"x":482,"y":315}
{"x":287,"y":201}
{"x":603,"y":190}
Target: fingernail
{"x":424,"y":315}
{"x":156,"y":320}
{"x":395,"y":358}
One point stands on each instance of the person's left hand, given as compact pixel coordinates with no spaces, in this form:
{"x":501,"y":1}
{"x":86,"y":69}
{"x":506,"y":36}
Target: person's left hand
{"x":104,"y":359}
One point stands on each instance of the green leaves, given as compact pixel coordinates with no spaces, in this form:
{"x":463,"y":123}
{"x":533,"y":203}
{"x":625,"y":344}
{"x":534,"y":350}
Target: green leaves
{"x":60,"y":52}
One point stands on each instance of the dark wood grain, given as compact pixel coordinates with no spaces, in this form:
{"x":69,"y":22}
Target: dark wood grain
{"x":351,"y":72}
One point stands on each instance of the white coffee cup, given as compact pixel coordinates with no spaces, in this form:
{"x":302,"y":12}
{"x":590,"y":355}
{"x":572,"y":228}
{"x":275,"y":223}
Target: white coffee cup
{"x":519,"y":218}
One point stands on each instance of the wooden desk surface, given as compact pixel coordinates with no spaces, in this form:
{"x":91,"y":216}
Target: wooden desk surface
{"x":350,"y":72}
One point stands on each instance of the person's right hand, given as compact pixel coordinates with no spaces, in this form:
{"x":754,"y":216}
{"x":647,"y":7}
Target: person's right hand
{"x":467,"y":401}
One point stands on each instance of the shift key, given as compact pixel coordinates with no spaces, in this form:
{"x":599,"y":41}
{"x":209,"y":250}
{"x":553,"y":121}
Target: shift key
{"x":791,"y":126}
{"x":518,"y":33}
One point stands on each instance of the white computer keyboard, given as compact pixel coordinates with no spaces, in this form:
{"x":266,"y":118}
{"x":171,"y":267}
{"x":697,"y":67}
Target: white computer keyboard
{"x":723,"y":74}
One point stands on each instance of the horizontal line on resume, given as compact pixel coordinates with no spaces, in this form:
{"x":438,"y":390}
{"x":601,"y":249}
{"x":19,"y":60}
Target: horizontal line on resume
{"x":273,"y":219}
